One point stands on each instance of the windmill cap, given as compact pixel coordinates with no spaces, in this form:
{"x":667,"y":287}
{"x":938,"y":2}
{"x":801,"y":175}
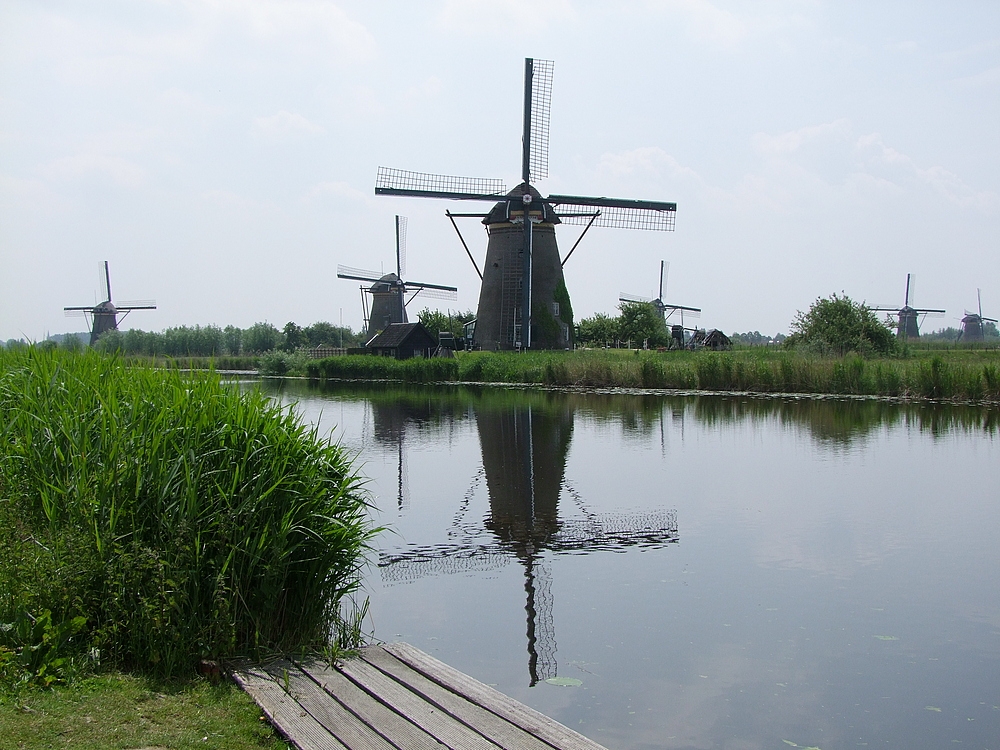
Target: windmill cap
{"x":499,"y":213}
{"x":386,"y":283}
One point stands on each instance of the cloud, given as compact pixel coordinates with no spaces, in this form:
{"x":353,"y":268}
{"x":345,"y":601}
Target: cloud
{"x":793,"y":140}
{"x":337,"y":191}
{"x":647,"y":161}
{"x":285,"y":124}
{"x":706,"y":22}
{"x":120,"y":170}
{"x":520,"y":17}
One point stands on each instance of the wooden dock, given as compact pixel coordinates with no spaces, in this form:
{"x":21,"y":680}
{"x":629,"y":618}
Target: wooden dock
{"x":396,"y":697}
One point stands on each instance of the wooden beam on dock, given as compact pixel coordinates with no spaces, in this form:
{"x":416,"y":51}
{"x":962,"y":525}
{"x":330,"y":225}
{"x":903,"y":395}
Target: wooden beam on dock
{"x":396,"y":697}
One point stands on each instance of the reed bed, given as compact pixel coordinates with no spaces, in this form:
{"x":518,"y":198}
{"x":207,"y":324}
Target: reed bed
{"x":182,"y":518}
{"x":973,"y":375}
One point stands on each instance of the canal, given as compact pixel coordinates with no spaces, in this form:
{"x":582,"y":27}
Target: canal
{"x":690,"y":571}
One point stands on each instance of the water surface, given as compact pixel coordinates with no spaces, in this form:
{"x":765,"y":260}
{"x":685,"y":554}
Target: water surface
{"x":706,"y":572}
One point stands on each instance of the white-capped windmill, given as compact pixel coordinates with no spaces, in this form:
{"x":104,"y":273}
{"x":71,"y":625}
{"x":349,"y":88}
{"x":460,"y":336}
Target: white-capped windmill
{"x":388,"y":291}
{"x":973,"y":328}
{"x":105,"y":316}
{"x":523,"y":301}
{"x":908,"y":318}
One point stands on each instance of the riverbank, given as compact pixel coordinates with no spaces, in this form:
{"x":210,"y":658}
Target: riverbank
{"x":954,"y":374}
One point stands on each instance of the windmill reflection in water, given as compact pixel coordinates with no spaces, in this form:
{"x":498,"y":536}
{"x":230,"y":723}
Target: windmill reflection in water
{"x":524,"y":451}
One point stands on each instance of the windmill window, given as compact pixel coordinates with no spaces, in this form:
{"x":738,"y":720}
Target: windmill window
{"x":555,"y":309}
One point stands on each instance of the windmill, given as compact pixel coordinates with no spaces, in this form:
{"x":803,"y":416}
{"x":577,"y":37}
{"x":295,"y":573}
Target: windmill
{"x":524,"y":458}
{"x":523,"y":301}
{"x":388,"y":291}
{"x":907,"y":317}
{"x":665,"y":310}
{"x":105,"y":315}
{"x":973,"y":328}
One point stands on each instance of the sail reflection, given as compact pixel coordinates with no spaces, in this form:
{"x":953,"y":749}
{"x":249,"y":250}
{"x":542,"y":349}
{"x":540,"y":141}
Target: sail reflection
{"x":524,"y":450}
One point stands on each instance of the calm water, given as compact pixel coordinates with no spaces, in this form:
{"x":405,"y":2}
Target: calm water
{"x":706,"y":572}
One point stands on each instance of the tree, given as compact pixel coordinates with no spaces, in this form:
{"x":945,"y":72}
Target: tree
{"x":294,"y":337}
{"x":840,"y":325}
{"x":261,"y":337}
{"x":600,"y":330}
{"x":640,"y":322}
{"x":232,"y":339}
{"x":436,"y":321}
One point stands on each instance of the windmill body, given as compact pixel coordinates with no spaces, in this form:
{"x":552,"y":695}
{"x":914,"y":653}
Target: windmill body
{"x":973,"y":324}
{"x":907,"y":316}
{"x":523,"y":301}
{"x":388,"y":291}
{"x":105,"y":315}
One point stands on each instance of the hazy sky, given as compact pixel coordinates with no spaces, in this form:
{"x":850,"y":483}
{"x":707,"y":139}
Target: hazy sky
{"x":221,"y":154}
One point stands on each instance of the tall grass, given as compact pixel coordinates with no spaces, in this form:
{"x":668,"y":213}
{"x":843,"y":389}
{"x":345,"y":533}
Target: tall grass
{"x":959,"y":375}
{"x":181,"y":517}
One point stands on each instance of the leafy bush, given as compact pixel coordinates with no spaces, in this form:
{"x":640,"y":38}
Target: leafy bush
{"x":181,"y":517}
{"x":840,"y":325}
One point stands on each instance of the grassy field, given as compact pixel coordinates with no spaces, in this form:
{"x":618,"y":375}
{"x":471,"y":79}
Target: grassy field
{"x":965,"y":374}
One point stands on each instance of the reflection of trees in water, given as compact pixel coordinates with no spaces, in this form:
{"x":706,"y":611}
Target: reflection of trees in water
{"x":431,"y":410}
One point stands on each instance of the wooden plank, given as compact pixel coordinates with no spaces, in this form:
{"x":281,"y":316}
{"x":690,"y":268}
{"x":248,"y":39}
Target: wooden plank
{"x":339,"y":722}
{"x":491,"y":726}
{"x":287,"y":716}
{"x":428,"y":717}
{"x":532,"y":721}
{"x":389,"y":723}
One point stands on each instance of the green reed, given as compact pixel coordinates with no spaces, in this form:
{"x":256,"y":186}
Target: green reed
{"x":181,"y":517}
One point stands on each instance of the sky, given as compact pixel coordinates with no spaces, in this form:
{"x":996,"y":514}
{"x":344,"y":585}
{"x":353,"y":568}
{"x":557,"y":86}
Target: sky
{"x":221,"y":154}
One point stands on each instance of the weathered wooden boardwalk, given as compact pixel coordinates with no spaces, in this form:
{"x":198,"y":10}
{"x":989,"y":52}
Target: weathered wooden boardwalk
{"x":396,"y":697}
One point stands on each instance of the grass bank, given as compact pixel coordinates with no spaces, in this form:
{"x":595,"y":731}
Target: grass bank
{"x":150,"y":518}
{"x":959,"y":374}
{"x":119,"y":712}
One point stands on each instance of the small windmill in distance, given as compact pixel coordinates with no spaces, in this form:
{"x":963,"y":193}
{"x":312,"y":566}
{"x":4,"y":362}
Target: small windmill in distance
{"x":973,"y":328}
{"x":389,"y":290}
{"x":907,"y":317}
{"x":104,"y":315}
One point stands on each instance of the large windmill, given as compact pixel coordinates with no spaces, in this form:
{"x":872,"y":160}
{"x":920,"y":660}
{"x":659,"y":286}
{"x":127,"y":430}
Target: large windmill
{"x":388,"y":291}
{"x":105,"y":315}
{"x":907,"y":316}
{"x":973,"y":328}
{"x":523,"y":301}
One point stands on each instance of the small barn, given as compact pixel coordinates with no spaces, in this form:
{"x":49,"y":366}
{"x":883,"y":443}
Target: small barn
{"x":402,"y":341}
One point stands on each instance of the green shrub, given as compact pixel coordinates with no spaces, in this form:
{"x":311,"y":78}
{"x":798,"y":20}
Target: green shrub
{"x":181,"y":517}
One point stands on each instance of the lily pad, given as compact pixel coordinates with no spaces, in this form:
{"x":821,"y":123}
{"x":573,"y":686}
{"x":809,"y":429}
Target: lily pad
{"x":932,"y":708}
{"x":565,"y":681}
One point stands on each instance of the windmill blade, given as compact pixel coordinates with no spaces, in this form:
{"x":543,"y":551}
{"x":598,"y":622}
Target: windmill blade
{"x":400,"y":246}
{"x":423,"y":185}
{"x":682,"y":307}
{"x":137,"y":304}
{"x":105,"y":281}
{"x":81,"y":308}
{"x":624,"y":297}
{"x":979,"y":297}
{"x":928,"y":311}
{"x":910,"y":282}
{"x":129,"y":308}
{"x":664,"y":271}
{"x":620,"y":213}
{"x":434,"y":293}
{"x":76,"y":312}
{"x":359,"y":274}
{"x":415,"y":284}
{"x":538,"y":96}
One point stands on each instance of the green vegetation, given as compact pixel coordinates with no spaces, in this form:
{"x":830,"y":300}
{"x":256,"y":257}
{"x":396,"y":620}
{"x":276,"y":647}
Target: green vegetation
{"x":150,"y":518}
{"x":212,"y":341}
{"x":367,"y":367}
{"x":838,"y":325}
{"x":119,"y":712}
{"x":436,"y":321}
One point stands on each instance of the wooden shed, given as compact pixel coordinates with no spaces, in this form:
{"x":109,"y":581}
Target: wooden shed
{"x":402,"y":341}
